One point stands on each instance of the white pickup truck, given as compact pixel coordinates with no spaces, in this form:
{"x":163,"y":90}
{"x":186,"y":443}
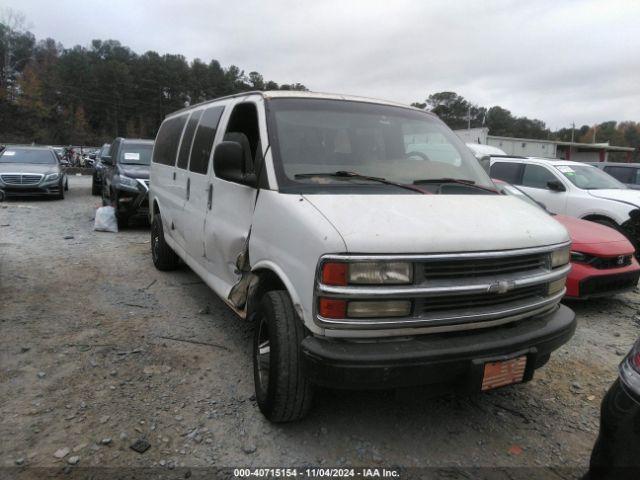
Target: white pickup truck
{"x":364,"y":240}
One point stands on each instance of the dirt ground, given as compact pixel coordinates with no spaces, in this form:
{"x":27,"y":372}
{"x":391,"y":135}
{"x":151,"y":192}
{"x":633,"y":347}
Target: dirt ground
{"x":98,"y":349}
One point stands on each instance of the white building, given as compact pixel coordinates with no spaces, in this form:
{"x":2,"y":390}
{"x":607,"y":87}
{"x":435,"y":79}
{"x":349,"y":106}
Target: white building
{"x":529,"y":147}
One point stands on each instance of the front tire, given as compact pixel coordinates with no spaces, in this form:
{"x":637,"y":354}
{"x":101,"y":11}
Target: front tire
{"x":164,"y":258}
{"x":95,"y":188}
{"x":283,"y":391}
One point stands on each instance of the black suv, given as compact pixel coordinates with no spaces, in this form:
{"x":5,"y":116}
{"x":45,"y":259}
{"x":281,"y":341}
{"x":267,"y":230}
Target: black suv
{"x":125,"y":178}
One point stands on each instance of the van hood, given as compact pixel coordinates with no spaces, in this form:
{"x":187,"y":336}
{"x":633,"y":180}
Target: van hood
{"x":135,"y":171}
{"x":618,"y":194}
{"x":437,"y":223}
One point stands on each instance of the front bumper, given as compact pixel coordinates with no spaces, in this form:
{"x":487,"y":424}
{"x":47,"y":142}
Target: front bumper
{"x":585,"y":281}
{"x":50,"y":189}
{"x":132,"y":203}
{"x":453,"y":359}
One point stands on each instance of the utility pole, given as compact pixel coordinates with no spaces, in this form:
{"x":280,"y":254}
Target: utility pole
{"x":595,"y":127}
{"x":573,"y":128}
{"x":469,"y":118}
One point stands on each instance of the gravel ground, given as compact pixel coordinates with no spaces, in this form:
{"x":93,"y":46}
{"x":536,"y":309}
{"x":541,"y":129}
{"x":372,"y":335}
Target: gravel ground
{"x":98,"y":350}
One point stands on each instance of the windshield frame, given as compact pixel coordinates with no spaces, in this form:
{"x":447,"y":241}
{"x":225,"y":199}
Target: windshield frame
{"x":347,"y":185}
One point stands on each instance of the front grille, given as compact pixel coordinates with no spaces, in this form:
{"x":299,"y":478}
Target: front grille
{"x":604,"y":285}
{"x":461,"y":302}
{"x":615,"y":262}
{"x":21,"y":179}
{"x":479,"y":267}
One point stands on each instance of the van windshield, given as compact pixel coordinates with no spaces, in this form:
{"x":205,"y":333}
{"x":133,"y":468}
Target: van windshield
{"x":312,"y":139}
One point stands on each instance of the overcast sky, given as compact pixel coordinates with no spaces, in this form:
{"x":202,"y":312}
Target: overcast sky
{"x":561,"y":62}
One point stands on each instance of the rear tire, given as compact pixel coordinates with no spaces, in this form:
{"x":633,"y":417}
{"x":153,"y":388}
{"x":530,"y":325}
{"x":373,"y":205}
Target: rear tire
{"x":164,"y":258}
{"x":283,"y":392}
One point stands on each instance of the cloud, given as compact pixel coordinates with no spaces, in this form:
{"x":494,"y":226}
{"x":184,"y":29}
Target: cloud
{"x":560,"y":62}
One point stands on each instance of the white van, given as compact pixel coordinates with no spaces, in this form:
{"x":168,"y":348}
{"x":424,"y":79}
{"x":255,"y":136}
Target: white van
{"x":364,"y":240}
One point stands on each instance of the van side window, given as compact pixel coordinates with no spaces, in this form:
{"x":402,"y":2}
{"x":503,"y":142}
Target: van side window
{"x":243,"y":128}
{"x":536,"y":176}
{"x":203,"y":141}
{"x":507,"y":172}
{"x":166,"y":146}
{"x":187,"y":139}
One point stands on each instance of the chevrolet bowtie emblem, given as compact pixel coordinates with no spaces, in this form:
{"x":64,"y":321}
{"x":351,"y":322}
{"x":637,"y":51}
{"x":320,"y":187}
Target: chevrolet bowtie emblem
{"x":502,"y":286}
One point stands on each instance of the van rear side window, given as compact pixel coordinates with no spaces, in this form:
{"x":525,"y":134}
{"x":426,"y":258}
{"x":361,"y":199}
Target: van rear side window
{"x":187,"y":139}
{"x":203,"y":141}
{"x":166,"y":147}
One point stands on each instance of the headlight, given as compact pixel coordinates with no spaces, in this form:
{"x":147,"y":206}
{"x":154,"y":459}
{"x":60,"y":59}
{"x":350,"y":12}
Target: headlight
{"x":630,"y":370}
{"x":560,"y":257}
{"x":578,"y":257}
{"x":367,"y":273}
{"x":51,"y":177}
{"x":128,"y":182}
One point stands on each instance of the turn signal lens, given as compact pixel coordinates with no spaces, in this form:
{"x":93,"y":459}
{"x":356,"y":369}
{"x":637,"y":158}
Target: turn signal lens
{"x":560,"y":257}
{"x":334,"y":273}
{"x":332,"y":308}
{"x":556,"y":286}
{"x":379,"y":308}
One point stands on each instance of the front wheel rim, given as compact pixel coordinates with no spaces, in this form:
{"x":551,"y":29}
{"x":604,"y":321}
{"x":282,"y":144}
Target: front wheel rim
{"x":263,"y":357}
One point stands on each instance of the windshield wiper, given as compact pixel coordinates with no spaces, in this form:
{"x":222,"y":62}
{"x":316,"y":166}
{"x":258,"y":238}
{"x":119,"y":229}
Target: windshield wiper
{"x":460,"y":181}
{"x":345,"y":174}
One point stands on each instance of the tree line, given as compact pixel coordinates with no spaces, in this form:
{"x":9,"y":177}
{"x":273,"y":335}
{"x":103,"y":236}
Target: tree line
{"x":459,"y":113}
{"x":87,"y":96}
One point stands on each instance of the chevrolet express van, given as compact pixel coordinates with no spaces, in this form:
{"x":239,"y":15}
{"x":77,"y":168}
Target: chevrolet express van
{"x":364,"y":240}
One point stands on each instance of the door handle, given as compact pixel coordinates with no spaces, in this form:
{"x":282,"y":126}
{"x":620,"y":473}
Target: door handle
{"x":210,"y":196}
{"x":174,"y":175}
{"x":188,"y":188}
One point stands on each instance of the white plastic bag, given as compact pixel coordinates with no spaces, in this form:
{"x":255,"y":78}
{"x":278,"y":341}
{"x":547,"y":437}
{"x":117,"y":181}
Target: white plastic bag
{"x":106,"y":220}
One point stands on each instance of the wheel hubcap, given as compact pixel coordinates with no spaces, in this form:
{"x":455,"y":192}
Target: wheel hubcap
{"x":263,"y":356}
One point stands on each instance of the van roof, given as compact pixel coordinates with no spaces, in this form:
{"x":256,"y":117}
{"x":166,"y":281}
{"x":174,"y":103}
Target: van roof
{"x":302,"y":94}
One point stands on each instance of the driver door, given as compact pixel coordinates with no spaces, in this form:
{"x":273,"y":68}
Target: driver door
{"x":535,"y":179}
{"x":229,"y":212}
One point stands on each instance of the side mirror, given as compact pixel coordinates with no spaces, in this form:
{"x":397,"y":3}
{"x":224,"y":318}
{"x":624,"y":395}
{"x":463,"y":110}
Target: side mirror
{"x":228,"y":161}
{"x":556,"y":186}
{"x":106,"y":159}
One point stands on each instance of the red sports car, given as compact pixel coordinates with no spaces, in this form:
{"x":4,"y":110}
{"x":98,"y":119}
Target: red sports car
{"x":602,"y":259}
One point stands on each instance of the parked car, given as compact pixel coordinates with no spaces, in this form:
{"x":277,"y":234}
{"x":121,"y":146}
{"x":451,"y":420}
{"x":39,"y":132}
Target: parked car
{"x":615,"y":453}
{"x":602,"y":260}
{"x":31,"y":171}
{"x":364,"y":240}
{"x":125,"y":178}
{"x":484,"y":152}
{"x":627,"y":173}
{"x":574,"y":189}
{"x":96,"y":179}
